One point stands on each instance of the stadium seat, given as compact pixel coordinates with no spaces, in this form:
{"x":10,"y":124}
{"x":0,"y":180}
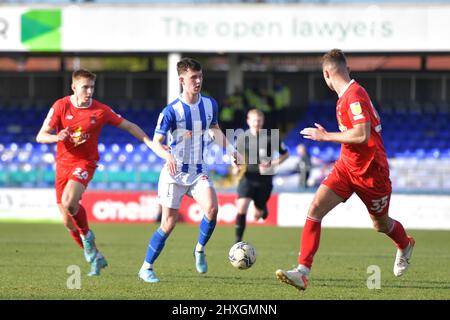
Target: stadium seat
{"x":4,"y":178}
{"x":149,"y":177}
{"x":49,"y":176}
{"x":100,"y":176}
{"x":411,"y":130}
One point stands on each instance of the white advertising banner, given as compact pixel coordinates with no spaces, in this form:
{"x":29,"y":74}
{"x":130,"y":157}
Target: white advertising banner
{"x":28,"y":204}
{"x":118,"y":207}
{"x":286,"y":209}
{"x":413,"y":211}
{"x":10,"y":28}
{"x":225,"y":28}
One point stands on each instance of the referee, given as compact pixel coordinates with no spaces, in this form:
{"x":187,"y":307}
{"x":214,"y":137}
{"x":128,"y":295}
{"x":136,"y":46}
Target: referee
{"x":258,"y":146}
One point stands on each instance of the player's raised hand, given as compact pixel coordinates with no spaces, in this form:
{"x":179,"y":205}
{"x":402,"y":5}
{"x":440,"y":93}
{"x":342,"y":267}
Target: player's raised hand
{"x":63,"y":134}
{"x":318,"y":134}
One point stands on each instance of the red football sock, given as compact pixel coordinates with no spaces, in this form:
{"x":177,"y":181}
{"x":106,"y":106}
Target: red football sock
{"x":310,"y":241}
{"x":81,"y":221}
{"x":76,"y":237}
{"x":398,"y":235}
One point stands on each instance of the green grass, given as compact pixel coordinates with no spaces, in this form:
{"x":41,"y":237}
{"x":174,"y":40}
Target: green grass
{"x":34,"y":259}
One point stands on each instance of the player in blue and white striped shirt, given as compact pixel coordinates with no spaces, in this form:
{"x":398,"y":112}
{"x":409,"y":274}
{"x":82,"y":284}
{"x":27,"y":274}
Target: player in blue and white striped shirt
{"x":186,"y":126}
{"x":188,"y":123}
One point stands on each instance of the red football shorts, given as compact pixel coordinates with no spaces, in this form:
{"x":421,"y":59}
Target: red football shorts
{"x":373,"y":187}
{"x":81,"y":172}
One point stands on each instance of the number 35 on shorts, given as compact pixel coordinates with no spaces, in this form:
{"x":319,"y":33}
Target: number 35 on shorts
{"x":378,"y":205}
{"x":81,"y":174}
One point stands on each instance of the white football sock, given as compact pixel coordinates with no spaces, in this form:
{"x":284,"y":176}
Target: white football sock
{"x":199,"y":247}
{"x":87,"y":235}
{"x":147,"y":265}
{"x":303,"y":269}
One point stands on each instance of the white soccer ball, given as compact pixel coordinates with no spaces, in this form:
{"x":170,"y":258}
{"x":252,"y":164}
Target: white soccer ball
{"x":242,"y":255}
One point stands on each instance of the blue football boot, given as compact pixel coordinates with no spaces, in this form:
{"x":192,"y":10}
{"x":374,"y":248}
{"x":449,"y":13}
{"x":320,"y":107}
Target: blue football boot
{"x":148,"y":275}
{"x":97,"y":265}
{"x":90,"y":250}
{"x":200,"y":262}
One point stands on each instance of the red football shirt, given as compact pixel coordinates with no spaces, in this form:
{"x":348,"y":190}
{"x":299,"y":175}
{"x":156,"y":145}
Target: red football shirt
{"x":354,"y":107}
{"x":84,"y":125}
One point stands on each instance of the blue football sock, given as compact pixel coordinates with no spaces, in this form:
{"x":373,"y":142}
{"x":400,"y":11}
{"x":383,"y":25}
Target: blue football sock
{"x":155,"y":245}
{"x":206,"y":230}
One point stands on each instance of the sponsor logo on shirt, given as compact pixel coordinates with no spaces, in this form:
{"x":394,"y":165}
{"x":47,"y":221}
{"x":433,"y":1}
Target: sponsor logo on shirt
{"x":187,"y":134}
{"x":78,"y":136}
{"x":356,"y":108}
{"x":69,"y":117}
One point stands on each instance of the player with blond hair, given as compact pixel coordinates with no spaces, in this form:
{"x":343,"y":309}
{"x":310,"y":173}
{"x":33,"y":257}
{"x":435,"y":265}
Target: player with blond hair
{"x":74,"y":123}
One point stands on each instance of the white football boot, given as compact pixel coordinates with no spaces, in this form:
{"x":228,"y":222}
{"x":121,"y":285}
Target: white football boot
{"x":401,"y":263}
{"x":295,"y":277}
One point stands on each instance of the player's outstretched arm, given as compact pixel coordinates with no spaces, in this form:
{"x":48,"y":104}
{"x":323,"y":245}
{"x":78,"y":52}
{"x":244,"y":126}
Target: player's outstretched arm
{"x":136,"y":132}
{"x":46,"y":134}
{"x":360,"y":133}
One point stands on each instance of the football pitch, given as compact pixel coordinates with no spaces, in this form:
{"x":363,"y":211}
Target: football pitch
{"x":35,"y":259}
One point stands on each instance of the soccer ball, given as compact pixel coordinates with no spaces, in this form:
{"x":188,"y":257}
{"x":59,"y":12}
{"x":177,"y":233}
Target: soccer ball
{"x":242,"y":255}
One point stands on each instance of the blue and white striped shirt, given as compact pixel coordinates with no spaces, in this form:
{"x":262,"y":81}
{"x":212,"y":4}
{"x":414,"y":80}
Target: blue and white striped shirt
{"x":186,"y":127}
